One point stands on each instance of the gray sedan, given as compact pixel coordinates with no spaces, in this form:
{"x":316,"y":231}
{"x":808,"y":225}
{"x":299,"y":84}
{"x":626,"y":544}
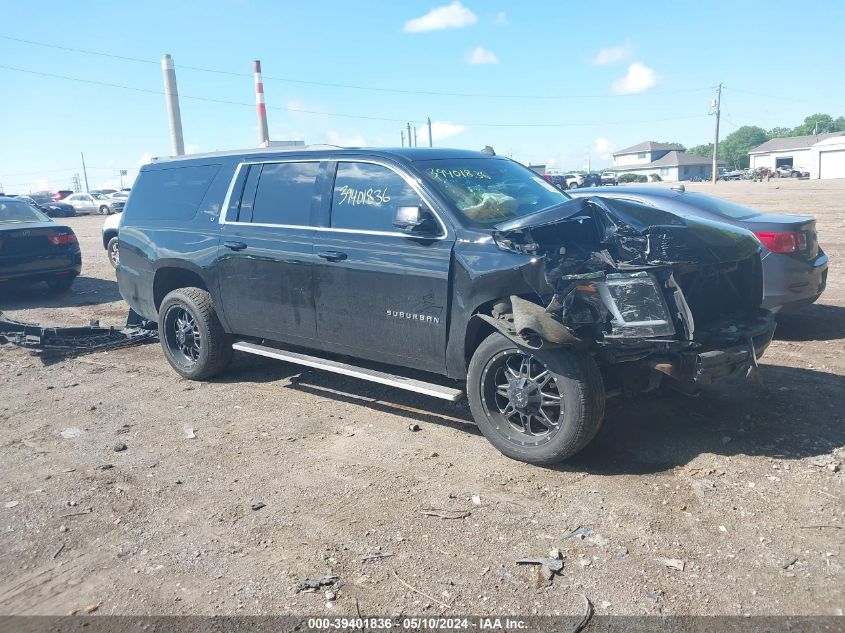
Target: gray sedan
{"x":794,"y":265}
{"x":94,"y":203}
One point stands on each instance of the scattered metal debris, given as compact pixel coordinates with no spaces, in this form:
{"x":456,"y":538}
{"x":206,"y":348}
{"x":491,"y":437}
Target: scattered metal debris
{"x":445,"y":514}
{"x":588,"y":615}
{"x":71,"y":432}
{"x":11,"y":504}
{"x":310,"y":586}
{"x":376,"y":556}
{"x":189,"y":432}
{"x":675,"y":563}
{"x":258,"y":505}
{"x":413,"y":426}
{"x":579,"y":532}
{"x":54,"y":343}
{"x":59,"y":551}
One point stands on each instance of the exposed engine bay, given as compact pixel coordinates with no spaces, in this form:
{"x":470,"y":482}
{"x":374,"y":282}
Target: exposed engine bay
{"x":635,"y":283}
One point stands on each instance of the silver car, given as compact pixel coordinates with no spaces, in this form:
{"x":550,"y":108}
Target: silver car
{"x":94,"y":203}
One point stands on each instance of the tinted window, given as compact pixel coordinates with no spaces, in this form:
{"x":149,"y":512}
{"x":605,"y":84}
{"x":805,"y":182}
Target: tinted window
{"x":172,"y":194}
{"x":285,"y":193}
{"x":12,"y":211}
{"x":248,"y":197}
{"x":366,"y":196}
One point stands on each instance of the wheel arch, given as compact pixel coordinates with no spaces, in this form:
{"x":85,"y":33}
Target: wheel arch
{"x":108,"y":235}
{"x":170,"y":276}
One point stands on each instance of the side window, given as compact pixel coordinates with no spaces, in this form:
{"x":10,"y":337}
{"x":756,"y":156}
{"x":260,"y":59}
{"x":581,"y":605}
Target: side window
{"x":366,"y":196}
{"x":284,"y":195}
{"x":73,"y":198}
{"x":173,"y":193}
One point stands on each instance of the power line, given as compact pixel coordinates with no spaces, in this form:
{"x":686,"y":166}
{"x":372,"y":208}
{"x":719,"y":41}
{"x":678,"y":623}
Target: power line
{"x":345,"y":115}
{"x":346,"y":86}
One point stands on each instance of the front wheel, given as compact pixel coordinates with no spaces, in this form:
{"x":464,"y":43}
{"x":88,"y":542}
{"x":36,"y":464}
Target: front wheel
{"x":104,"y":210}
{"x":192,"y":337}
{"x":113,"y":252}
{"x":537,"y":406}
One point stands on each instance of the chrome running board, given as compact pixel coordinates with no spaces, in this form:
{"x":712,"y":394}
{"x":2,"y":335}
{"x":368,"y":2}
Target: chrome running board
{"x":383,"y":378}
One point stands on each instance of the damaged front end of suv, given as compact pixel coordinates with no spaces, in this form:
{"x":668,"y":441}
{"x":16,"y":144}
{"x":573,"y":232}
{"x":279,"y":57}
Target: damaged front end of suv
{"x":654,"y":297}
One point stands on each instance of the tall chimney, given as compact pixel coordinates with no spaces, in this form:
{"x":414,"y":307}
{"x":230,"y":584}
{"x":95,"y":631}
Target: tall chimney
{"x":171,"y":98}
{"x":260,"y":106}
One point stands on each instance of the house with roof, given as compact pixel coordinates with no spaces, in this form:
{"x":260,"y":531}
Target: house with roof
{"x":670,"y":161}
{"x":819,"y":154}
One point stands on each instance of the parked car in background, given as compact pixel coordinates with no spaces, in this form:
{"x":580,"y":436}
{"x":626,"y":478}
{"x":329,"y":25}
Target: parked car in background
{"x":34,"y":248}
{"x":119,"y":195}
{"x":103,"y":191}
{"x":609,"y":178}
{"x":61,"y":194}
{"x":734,"y":174}
{"x":49,"y":206}
{"x":110,"y":242}
{"x":794,"y":265}
{"x":95,"y":203}
{"x":788,"y":171}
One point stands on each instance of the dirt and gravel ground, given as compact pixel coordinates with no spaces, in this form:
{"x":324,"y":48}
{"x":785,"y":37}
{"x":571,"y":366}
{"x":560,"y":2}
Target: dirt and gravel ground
{"x":744,"y":485}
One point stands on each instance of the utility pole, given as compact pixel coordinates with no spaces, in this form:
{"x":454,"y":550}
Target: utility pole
{"x":410,"y":144}
{"x":76,"y":186}
{"x":430,"y":144}
{"x":260,"y":106}
{"x":402,"y":134}
{"x":415,"y":136}
{"x":84,"y":171}
{"x":171,"y":99}
{"x":718,"y":105}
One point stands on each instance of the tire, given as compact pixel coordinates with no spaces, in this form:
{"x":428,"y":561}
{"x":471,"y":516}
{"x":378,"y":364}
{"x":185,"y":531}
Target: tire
{"x":574,"y":185}
{"x":104,"y":210}
{"x":113,"y":253}
{"x":61,"y":284}
{"x":204,"y":349}
{"x":576,"y":380}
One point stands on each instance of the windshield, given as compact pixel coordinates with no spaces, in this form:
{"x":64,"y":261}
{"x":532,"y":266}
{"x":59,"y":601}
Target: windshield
{"x":100,"y":196}
{"x":19,"y":211}
{"x":489,"y":190}
{"x":725,"y":208}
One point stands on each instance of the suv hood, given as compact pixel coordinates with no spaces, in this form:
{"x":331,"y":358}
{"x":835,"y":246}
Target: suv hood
{"x":639,"y":234}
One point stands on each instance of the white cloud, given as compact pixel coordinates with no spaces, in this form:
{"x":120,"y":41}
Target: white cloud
{"x":451,"y":16}
{"x":604,"y":148}
{"x":345,"y":140}
{"x":480,"y":55}
{"x":145,"y":159}
{"x":613,"y":54}
{"x":638,"y":79}
{"x":501,"y":19}
{"x":192,"y":148}
{"x":442,"y":130}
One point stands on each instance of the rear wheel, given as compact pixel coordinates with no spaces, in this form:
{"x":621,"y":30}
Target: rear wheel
{"x":192,"y":337}
{"x":104,"y":210}
{"x":574,"y":185}
{"x":537,"y":406}
{"x":113,"y":252}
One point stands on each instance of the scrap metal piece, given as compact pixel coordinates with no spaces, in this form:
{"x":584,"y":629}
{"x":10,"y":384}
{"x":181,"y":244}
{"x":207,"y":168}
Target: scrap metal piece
{"x":54,"y":343}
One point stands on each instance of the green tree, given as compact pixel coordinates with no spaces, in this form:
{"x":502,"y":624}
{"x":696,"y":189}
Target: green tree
{"x":735,"y":147}
{"x":701,"y":150}
{"x":820,"y":123}
{"x":780,"y":132}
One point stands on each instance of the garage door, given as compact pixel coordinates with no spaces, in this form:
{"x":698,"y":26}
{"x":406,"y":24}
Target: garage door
{"x":832,"y":164}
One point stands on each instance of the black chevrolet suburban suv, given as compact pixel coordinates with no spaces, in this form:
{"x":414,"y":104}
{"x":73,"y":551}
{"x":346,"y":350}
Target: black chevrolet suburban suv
{"x":465,"y":268}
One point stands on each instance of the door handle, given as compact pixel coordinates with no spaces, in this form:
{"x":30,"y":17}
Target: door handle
{"x":235,"y":246}
{"x":332,"y":256}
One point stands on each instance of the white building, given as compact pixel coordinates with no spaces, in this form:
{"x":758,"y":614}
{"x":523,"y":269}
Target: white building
{"x":828,"y":158}
{"x":670,"y":161}
{"x":800,"y":152}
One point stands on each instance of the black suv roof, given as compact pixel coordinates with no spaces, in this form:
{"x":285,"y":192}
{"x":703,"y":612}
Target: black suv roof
{"x":409,"y":154}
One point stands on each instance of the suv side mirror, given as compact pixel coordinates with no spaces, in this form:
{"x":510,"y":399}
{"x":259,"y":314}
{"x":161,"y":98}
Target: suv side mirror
{"x":417,"y":221}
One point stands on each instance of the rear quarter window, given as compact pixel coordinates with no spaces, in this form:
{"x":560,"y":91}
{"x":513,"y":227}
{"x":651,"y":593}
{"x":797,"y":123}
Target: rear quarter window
{"x":173,"y":193}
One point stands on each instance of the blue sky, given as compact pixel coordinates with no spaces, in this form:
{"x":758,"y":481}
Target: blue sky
{"x":549,"y":81}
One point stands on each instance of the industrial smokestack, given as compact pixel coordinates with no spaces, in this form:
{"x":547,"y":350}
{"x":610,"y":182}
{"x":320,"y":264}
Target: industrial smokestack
{"x":171,"y":98}
{"x":260,"y":106}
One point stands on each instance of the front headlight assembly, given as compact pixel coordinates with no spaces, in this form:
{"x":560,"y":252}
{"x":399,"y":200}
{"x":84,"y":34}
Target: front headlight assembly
{"x":636,"y":304}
